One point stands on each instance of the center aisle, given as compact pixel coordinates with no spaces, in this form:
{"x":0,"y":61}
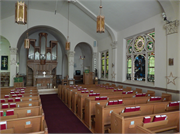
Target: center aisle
{"x":59,"y":117}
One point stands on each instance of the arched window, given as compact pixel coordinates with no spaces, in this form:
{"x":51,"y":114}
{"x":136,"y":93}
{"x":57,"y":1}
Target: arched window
{"x":104,"y":64}
{"x":140,"y":57}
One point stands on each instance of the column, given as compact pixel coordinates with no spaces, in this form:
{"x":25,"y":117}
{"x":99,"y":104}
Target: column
{"x":172,"y":55}
{"x":114,"y":61}
{"x":94,"y":62}
{"x":13,"y":52}
{"x":71,"y":64}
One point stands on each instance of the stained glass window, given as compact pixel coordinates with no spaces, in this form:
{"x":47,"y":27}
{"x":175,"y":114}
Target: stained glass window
{"x":151,"y":66}
{"x":129,"y":68}
{"x":104,"y":64}
{"x":140,"y":57}
{"x":107,"y":64}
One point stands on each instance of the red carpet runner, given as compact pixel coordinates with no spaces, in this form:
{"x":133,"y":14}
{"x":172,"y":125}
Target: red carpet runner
{"x":59,"y":118}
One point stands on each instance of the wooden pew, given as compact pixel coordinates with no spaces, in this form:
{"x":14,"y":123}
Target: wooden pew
{"x":22,"y":112}
{"x":81,"y":102}
{"x":102,"y":92}
{"x":23,"y":95}
{"x":69,"y":94}
{"x":68,"y":89}
{"x":121,"y":124}
{"x":90,"y":105}
{"x":33,"y":124}
{"x":23,"y":104}
{"x":22,"y":99}
{"x":102,"y":114}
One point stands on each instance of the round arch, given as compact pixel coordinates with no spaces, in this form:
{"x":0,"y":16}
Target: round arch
{"x":56,"y":33}
{"x":83,"y":56}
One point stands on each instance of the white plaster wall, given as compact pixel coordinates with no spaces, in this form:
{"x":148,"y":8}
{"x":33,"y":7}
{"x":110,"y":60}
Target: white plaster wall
{"x":104,"y":45}
{"x":13,"y":31}
{"x":77,"y":61}
{"x":156,"y":23}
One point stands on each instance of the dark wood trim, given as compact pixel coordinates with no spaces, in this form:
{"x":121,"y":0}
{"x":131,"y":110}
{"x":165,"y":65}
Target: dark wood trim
{"x":154,"y":88}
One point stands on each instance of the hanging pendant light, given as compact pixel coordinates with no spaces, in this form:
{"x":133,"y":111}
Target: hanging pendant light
{"x":100,"y":21}
{"x":21,"y":13}
{"x":27,"y":41}
{"x":68,"y":43}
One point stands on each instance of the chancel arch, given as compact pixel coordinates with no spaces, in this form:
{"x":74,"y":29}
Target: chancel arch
{"x":51,"y":52}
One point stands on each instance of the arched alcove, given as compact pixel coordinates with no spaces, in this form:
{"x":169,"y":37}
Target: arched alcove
{"x":52,"y":35}
{"x":83,"y":57}
{"x":5,"y":62}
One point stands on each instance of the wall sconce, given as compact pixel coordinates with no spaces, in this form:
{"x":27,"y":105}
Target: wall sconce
{"x":82,"y":57}
{"x":165,"y":18}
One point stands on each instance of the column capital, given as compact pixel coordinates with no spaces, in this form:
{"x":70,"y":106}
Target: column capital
{"x":70,"y":53}
{"x":13,"y":51}
{"x":114,"y":44}
{"x":172,"y":27}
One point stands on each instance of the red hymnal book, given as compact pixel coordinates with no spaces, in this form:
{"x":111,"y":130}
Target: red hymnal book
{"x":3,"y":101}
{"x":147,"y":119}
{"x":137,"y":108}
{"x":110,"y":103}
{"x":3,"y":125}
{"x":120,"y":89}
{"x":12,"y":92}
{"x":115,"y":90}
{"x":152,"y":99}
{"x":124,"y":92}
{"x":94,"y":94}
{"x":19,"y":95}
{"x":14,"y":95}
{"x":120,"y":101}
{"x":96,"y":98}
{"x":17,"y":99}
{"x":82,"y":91}
{"x":90,"y":94}
{"x":10,"y":99}
{"x":1,"y":113}
{"x":127,"y":109}
{"x":157,"y":118}
{"x":12,"y":105}
{"x":97,"y":94}
{"x":22,"y":92}
{"x":17,"y":92}
{"x":138,"y":95}
{"x":144,"y":94}
{"x":5,"y":105}
{"x":10,"y":112}
{"x":91,"y":91}
{"x":6,"y":96}
{"x":129,"y":92}
{"x":87,"y":91}
{"x":115,"y":102}
{"x":174,"y":104}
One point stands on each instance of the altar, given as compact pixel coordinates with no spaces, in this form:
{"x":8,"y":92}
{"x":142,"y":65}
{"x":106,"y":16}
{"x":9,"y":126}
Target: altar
{"x":43,"y":81}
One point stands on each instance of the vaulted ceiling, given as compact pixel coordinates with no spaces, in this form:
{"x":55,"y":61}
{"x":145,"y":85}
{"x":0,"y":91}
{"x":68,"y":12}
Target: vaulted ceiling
{"x":119,"y":14}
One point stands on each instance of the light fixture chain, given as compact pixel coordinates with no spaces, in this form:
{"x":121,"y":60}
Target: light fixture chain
{"x":68,"y":23}
{"x":27,"y":18}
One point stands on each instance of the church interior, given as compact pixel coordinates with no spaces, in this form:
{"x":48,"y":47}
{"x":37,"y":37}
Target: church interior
{"x":90,"y":66}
